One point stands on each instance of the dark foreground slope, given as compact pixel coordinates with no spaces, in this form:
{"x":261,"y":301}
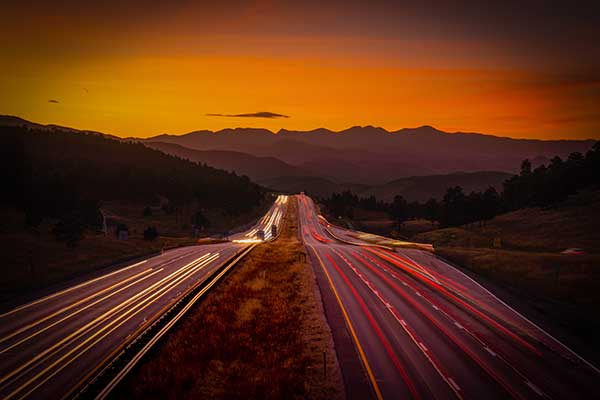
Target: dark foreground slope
{"x":67,"y":192}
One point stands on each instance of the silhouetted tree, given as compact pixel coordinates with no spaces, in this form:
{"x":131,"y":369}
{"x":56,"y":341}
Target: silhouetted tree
{"x":432,"y":210}
{"x":200,"y":221}
{"x":492,"y":203}
{"x":454,"y":207}
{"x":150,"y":233}
{"x":398,"y":210}
{"x":543,"y":186}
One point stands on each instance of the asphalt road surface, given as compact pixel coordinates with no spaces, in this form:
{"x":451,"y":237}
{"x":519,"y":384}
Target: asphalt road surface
{"x":50,"y":345}
{"x":423,"y":329}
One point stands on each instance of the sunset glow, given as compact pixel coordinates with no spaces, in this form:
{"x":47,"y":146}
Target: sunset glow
{"x":110,"y":69}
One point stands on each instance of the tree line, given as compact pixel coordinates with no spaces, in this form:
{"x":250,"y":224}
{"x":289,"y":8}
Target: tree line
{"x":543,"y":186}
{"x":65,"y":176}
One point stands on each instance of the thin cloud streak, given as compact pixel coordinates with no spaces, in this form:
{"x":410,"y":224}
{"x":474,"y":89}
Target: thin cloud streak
{"x":260,"y":114}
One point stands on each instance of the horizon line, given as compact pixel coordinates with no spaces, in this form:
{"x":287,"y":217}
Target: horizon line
{"x":298,"y":130}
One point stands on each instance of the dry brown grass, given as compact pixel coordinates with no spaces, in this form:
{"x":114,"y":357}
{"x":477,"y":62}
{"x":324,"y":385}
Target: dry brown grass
{"x":564,"y":289}
{"x":573,"y":279}
{"x":37,"y":260}
{"x":34,"y":259}
{"x":573,"y":223}
{"x":260,"y":334}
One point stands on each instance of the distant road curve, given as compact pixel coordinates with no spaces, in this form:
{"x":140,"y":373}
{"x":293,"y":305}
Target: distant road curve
{"x":49,"y":345}
{"x":422,"y":329}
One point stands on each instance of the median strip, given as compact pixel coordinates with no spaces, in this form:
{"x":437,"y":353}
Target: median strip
{"x":259,"y":334}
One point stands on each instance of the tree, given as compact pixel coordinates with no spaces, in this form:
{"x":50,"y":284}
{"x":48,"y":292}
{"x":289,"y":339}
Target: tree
{"x":491,"y":203}
{"x":525,"y":168}
{"x":70,"y":229}
{"x":150,"y":233}
{"x":454,"y":207}
{"x":432,"y":210}
{"x":200,"y":221}
{"x":398,"y":210}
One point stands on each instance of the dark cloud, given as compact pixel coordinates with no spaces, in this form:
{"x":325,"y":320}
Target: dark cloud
{"x":53,"y":101}
{"x":260,"y":114}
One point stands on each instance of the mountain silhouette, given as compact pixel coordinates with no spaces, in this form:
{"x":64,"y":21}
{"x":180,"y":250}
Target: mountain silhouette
{"x":369,"y":160}
{"x":373,"y":155}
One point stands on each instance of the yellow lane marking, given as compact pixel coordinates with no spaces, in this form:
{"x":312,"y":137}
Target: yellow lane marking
{"x":181,"y":271}
{"x":351,"y":328}
{"x":70,"y":289}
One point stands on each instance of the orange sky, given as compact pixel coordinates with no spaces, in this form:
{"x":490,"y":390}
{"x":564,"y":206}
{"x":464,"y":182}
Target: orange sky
{"x":141,"y":71}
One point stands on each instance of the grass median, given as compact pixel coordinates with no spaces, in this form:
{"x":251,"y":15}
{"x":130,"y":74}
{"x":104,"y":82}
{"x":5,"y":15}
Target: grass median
{"x":260,"y":334}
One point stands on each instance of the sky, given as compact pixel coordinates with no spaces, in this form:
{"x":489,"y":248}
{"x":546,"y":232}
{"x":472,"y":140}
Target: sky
{"x":524,"y":69}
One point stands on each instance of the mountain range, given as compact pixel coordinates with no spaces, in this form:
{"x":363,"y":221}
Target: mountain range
{"x":374,"y":156}
{"x":419,"y":162}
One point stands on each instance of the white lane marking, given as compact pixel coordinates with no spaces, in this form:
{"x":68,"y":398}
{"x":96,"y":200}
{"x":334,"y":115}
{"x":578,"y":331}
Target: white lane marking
{"x":453,"y":383}
{"x":459,"y":326}
{"x":169,"y":281}
{"x":53,"y":295}
{"x":435,"y":307}
{"x":534,"y":388}
{"x":412,"y":336}
{"x":490,"y":351}
{"x":589,"y":364}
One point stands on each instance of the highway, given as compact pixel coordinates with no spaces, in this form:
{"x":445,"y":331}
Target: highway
{"x":424,"y":330}
{"x":51,"y":345}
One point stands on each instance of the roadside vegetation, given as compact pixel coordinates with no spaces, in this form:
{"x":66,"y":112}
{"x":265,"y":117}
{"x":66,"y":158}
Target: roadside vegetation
{"x":261,"y":334}
{"x":544,"y":186}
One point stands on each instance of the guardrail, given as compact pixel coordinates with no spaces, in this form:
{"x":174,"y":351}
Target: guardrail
{"x":336,"y":237}
{"x":412,"y":245}
{"x":100,"y":382}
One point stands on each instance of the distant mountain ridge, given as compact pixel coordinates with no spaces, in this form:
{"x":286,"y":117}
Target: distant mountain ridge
{"x":256,"y":168}
{"x":374,"y":156}
{"x":11,"y":120}
{"x":422,"y":188}
{"x":367,"y":160}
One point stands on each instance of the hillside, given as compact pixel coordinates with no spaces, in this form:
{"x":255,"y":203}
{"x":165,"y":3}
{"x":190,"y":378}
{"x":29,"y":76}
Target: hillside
{"x":522,"y":252}
{"x":63,"y":188}
{"x":422,"y":188}
{"x":371,"y":155}
{"x":572,"y":223}
{"x":256,"y":168}
{"x":359,"y":155}
{"x":415,"y":188}
{"x":316,"y":186}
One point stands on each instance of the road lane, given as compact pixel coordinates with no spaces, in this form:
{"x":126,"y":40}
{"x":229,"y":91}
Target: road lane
{"x":425,"y":330}
{"x":50,"y":344}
